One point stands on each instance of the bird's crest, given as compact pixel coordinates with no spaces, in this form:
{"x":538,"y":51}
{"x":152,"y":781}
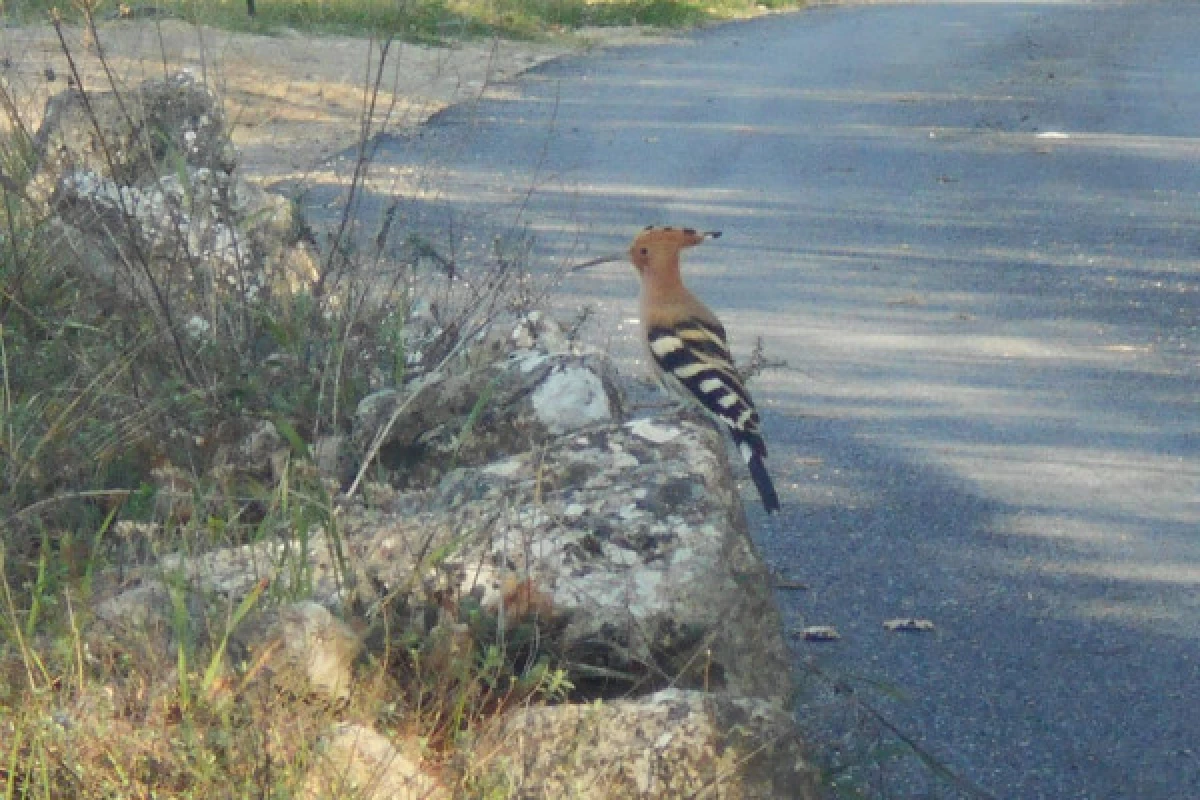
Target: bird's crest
{"x":662,"y":245}
{"x":680,"y":238}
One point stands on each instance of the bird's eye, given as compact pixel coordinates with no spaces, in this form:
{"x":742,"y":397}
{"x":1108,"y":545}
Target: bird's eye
{"x":645,"y":251}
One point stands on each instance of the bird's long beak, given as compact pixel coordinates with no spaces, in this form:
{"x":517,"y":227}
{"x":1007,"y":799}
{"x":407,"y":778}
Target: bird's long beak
{"x":608,"y":259}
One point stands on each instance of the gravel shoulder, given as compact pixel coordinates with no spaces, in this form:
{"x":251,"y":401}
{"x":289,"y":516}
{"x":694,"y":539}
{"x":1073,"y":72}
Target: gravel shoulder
{"x":295,"y":99}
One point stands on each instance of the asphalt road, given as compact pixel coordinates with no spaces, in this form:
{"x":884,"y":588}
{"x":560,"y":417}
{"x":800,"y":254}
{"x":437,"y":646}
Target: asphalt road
{"x":973,"y":232}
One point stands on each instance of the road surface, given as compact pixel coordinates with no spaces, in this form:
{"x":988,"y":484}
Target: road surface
{"x":972,"y":230}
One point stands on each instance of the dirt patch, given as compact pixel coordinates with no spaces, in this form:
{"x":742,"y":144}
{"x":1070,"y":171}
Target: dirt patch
{"x":293,"y":99}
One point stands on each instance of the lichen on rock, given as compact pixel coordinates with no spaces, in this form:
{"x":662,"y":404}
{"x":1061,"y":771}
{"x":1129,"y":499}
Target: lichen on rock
{"x":145,"y":202}
{"x":639,"y":545}
{"x":669,"y":744}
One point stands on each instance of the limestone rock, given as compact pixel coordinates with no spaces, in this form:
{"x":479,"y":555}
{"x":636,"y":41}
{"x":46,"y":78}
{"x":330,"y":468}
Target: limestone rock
{"x":304,"y":647}
{"x":144,"y":203}
{"x":628,"y":539}
{"x":428,"y":339}
{"x":538,"y":331}
{"x":138,"y":616}
{"x":127,"y":136}
{"x":570,"y":399}
{"x":138,"y":622}
{"x":300,"y":646}
{"x":533,"y":331}
{"x":206,"y":237}
{"x":670,"y":744}
{"x":477,"y":416}
{"x":359,"y":762}
{"x":231,"y":572}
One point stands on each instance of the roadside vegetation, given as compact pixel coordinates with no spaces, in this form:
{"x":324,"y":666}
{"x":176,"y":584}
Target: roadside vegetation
{"x":114,"y":409}
{"x":420,"y":20}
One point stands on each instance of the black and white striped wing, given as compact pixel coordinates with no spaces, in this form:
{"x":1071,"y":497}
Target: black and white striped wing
{"x":693,"y":357}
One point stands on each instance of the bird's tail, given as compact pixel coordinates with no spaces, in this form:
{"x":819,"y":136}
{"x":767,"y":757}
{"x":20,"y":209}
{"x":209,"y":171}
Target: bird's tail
{"x":762,"y":482}
{"x":754,"y":450}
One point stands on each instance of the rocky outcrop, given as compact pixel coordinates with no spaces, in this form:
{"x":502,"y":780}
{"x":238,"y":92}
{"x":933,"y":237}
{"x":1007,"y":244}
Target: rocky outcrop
{"x":143,"y":199}
{"x":132,"y":137}
{"x":630,"y":535}
{"x":623,"y":542}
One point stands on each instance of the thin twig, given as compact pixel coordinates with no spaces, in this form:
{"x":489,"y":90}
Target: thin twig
{"x":926,"y":758}
{"x":62,"y":498}
{"x":361,"y":166}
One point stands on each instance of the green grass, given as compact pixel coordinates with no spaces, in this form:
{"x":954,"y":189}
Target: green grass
{"x":427,"y":20}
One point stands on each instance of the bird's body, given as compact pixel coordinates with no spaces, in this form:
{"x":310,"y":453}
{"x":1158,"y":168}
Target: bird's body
{"x":688,"y":349}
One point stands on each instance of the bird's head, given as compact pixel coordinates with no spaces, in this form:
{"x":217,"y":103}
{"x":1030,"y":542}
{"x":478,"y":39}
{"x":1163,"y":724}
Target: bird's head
{"x":662,"y":244}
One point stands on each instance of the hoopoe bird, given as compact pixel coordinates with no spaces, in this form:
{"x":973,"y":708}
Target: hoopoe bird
{"x":689,"y":350}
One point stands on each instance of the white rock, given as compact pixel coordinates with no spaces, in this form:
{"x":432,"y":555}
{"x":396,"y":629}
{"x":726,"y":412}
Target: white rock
{"x":571,"y":398}
{"x":652,"y":431}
